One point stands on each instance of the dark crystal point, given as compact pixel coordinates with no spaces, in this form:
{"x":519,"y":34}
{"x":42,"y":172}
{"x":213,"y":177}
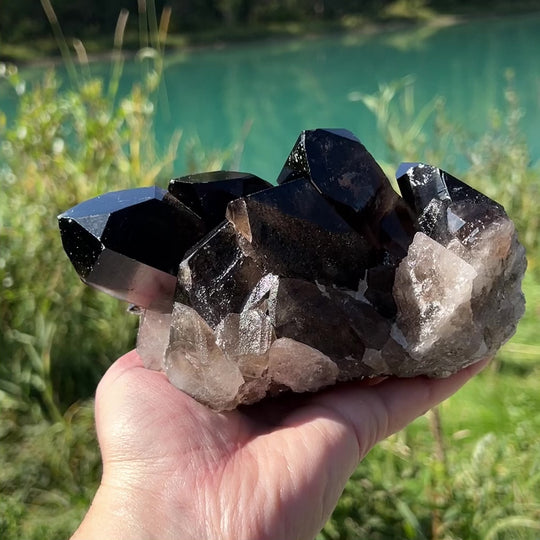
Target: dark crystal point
{"x":339,"y":166}
{"x":470,"y":210}
{"x":324,"y":326}
{"x":216,"y":277}
{"x":130,"y":243}
{"x":446,"y":207}
{"x":208,"y":194}
{"x":421,"y":183}
{"x":404,"y":166}
{"x":296,"y":233}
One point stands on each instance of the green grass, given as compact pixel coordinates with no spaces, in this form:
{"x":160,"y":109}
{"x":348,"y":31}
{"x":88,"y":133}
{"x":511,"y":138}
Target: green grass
{"x":486,"y":485}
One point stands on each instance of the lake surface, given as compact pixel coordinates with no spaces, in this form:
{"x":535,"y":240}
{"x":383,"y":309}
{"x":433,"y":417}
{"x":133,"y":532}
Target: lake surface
{"x":280,"y":88}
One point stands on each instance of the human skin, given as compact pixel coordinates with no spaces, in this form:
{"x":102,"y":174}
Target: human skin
{"x":173,"y":469}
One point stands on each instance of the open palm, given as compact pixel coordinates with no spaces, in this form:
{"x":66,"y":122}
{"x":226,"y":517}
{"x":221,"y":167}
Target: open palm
{"x":174,"y":469}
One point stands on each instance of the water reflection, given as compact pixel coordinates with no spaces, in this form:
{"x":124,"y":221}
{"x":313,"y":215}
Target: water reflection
{"x":283,"y":87}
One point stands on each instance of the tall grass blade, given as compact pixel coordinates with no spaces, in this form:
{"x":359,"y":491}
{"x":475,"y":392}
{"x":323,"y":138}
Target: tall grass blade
{"x":60,"y":41}
{"x":118,"y":59}
{"x":82,"y":57}
{"x":143,"y":23}
{"x":413,"y":528}
{"x":163,"y":31}
{"x":153,"y":24}
{"x":512,"y":523}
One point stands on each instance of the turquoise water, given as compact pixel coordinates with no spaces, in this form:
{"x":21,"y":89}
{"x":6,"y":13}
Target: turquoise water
{"x":280,"y":88}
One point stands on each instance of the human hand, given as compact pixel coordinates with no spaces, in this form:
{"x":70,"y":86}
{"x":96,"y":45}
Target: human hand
{"x":173,"y":469}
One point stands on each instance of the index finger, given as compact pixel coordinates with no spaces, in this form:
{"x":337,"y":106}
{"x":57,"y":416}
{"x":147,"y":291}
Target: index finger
{"x":377,"y":411}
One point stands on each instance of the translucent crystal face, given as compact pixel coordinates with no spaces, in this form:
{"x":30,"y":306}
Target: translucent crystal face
{"x":250,"y":289}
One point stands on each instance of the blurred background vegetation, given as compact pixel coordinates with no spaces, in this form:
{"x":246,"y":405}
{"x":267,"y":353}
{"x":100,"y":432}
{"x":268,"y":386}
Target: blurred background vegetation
{"x":25,"y":33}
{"x":469,"y":470}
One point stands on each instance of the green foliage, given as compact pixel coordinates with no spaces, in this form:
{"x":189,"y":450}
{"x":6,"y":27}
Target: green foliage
{"x":49,"y":470}
{"x":23,"y":19}
{"x":498,"y":164}
{"x":57,"y":337}
{"x":65,"y":147}
{"x":403,"y":126}
{"x":486,"y":484}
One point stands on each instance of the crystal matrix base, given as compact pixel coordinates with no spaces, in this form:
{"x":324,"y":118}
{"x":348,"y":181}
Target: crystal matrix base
{"x":329,"y":276}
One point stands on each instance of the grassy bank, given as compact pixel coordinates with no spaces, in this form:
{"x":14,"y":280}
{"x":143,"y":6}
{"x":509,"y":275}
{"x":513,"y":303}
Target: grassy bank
{"x":45,"y":50}
{"x":93,"y":43}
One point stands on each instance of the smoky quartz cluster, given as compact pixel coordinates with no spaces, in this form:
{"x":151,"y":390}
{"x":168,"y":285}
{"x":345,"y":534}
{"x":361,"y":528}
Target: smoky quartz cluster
{"x":248,"y":289}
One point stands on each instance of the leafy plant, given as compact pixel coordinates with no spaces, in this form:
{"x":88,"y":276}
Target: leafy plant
{"x":488,"y":487}
{"x":64,"y":145}
{"x":499,"y":163}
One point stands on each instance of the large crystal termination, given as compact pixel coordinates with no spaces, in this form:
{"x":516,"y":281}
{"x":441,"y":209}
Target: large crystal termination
{"x":130,"y":243}
{"x":250,"y":289}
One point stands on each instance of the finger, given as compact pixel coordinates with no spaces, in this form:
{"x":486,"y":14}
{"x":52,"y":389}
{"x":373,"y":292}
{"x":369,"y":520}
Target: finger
{"x":126,"y":362}
{"x":125,"y":396}
{"x":140,"y":414}
{"x":375,"y":412}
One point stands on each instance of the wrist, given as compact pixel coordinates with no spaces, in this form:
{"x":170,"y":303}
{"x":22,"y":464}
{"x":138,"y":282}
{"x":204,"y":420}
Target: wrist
{"x":114,"y":514}
{"x":124,"y":510}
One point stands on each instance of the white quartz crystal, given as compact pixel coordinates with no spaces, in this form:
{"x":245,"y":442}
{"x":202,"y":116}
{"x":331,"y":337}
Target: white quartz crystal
{"x":153,"y":338}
